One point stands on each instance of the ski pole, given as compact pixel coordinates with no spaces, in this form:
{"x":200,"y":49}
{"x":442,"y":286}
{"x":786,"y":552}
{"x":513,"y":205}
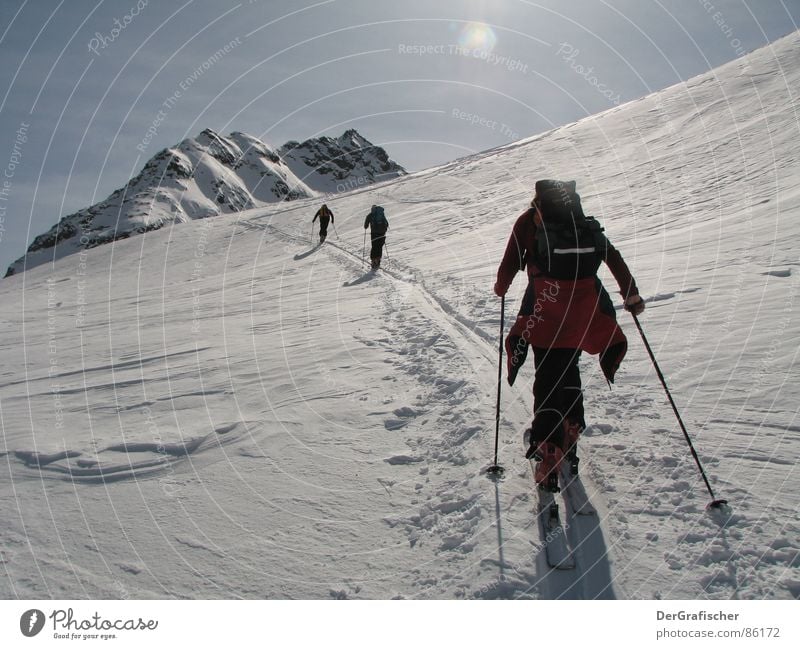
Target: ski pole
{"x":364,"y":247}
{"x":715,"y":503}
{"x":334,"y":229}
{"x":386,"y":248}
{"x":495,"y":468}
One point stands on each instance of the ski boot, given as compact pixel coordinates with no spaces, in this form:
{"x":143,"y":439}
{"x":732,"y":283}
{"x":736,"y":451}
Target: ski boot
{"x":321,"y":239}
{"x":572,"y":431}
{"x":546,"y":474}
{"x":376,"y":263}
{"x":532,"y":446}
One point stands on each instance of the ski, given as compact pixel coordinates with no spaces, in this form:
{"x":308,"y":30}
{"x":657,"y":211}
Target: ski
{"x":575,"y":493}
{"x":556,"y":547}
{"x":557,"y":551}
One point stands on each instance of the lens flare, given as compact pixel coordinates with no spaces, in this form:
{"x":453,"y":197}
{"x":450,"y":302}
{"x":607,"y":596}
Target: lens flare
{"x":477,"y":36}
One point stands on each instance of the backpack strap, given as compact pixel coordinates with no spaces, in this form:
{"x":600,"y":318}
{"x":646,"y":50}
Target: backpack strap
{"x":568,"y":250}
{"x":600,"y":240}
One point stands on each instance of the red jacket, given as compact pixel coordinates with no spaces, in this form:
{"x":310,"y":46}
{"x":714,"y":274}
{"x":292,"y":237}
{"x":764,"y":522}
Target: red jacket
{"x":557,"y":313}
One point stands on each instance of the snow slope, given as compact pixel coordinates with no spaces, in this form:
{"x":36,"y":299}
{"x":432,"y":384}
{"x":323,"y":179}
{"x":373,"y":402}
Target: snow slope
{"x":209,"y":175}
{"x":217,"y":409}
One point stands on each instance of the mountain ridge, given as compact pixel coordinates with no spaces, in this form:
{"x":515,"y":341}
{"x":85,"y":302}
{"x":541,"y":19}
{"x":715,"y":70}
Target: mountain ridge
{"x":210,"y":175}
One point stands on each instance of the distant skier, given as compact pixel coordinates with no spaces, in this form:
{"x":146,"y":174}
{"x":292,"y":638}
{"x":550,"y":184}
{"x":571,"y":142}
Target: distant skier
{"x":565,"y":310}
{"x":376,"y":221}
{"x":325,"y":215}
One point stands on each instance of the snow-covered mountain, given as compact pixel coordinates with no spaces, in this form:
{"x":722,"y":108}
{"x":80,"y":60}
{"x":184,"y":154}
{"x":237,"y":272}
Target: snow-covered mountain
{"x":333,"y":165}
{"x":223,"y":410}
{"x":210,"y":175}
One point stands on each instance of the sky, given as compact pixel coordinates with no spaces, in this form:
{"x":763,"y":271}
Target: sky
{"x":90,"y":90}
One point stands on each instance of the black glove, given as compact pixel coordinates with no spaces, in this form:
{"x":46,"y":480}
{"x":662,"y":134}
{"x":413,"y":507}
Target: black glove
{"x":634,"y":304}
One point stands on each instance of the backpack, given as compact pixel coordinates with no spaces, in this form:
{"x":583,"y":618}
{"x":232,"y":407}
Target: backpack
{"x":378,"y":219}
{"x":569,"y":244}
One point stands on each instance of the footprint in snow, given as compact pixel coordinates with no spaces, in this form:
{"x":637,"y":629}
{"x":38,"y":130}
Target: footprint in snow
{"x":402,"y":459}
{"x":598,"y":429}
{"x":405,"y":411}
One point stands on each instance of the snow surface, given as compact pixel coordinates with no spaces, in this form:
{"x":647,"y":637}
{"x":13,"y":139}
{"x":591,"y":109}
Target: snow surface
{"x":219,"y":410}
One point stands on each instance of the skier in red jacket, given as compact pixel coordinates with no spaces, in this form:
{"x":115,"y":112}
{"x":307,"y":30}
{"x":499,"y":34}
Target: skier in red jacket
{"x":565,"y":311}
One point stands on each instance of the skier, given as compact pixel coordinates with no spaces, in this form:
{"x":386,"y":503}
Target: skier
{"x":565,"y":311}
{"x":376,"y":221}
{"x":324,"y":215}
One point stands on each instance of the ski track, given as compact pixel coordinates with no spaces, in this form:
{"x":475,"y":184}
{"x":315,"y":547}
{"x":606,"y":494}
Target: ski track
{"x":425,"y":334}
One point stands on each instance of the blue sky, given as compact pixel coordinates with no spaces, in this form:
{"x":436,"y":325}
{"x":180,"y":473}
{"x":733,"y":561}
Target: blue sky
{"x":90,"y":90}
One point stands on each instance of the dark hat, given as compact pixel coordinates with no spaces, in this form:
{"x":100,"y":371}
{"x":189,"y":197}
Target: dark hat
{"x":549,"y":189}
{"x":557,"y":199}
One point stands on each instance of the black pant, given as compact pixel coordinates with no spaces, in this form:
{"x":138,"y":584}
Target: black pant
{"x":557,"y":393}
{"x":378,"y":239}
{"x":323,"y":226}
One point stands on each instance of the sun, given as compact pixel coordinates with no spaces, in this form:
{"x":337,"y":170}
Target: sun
{"x":477,"y":36}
